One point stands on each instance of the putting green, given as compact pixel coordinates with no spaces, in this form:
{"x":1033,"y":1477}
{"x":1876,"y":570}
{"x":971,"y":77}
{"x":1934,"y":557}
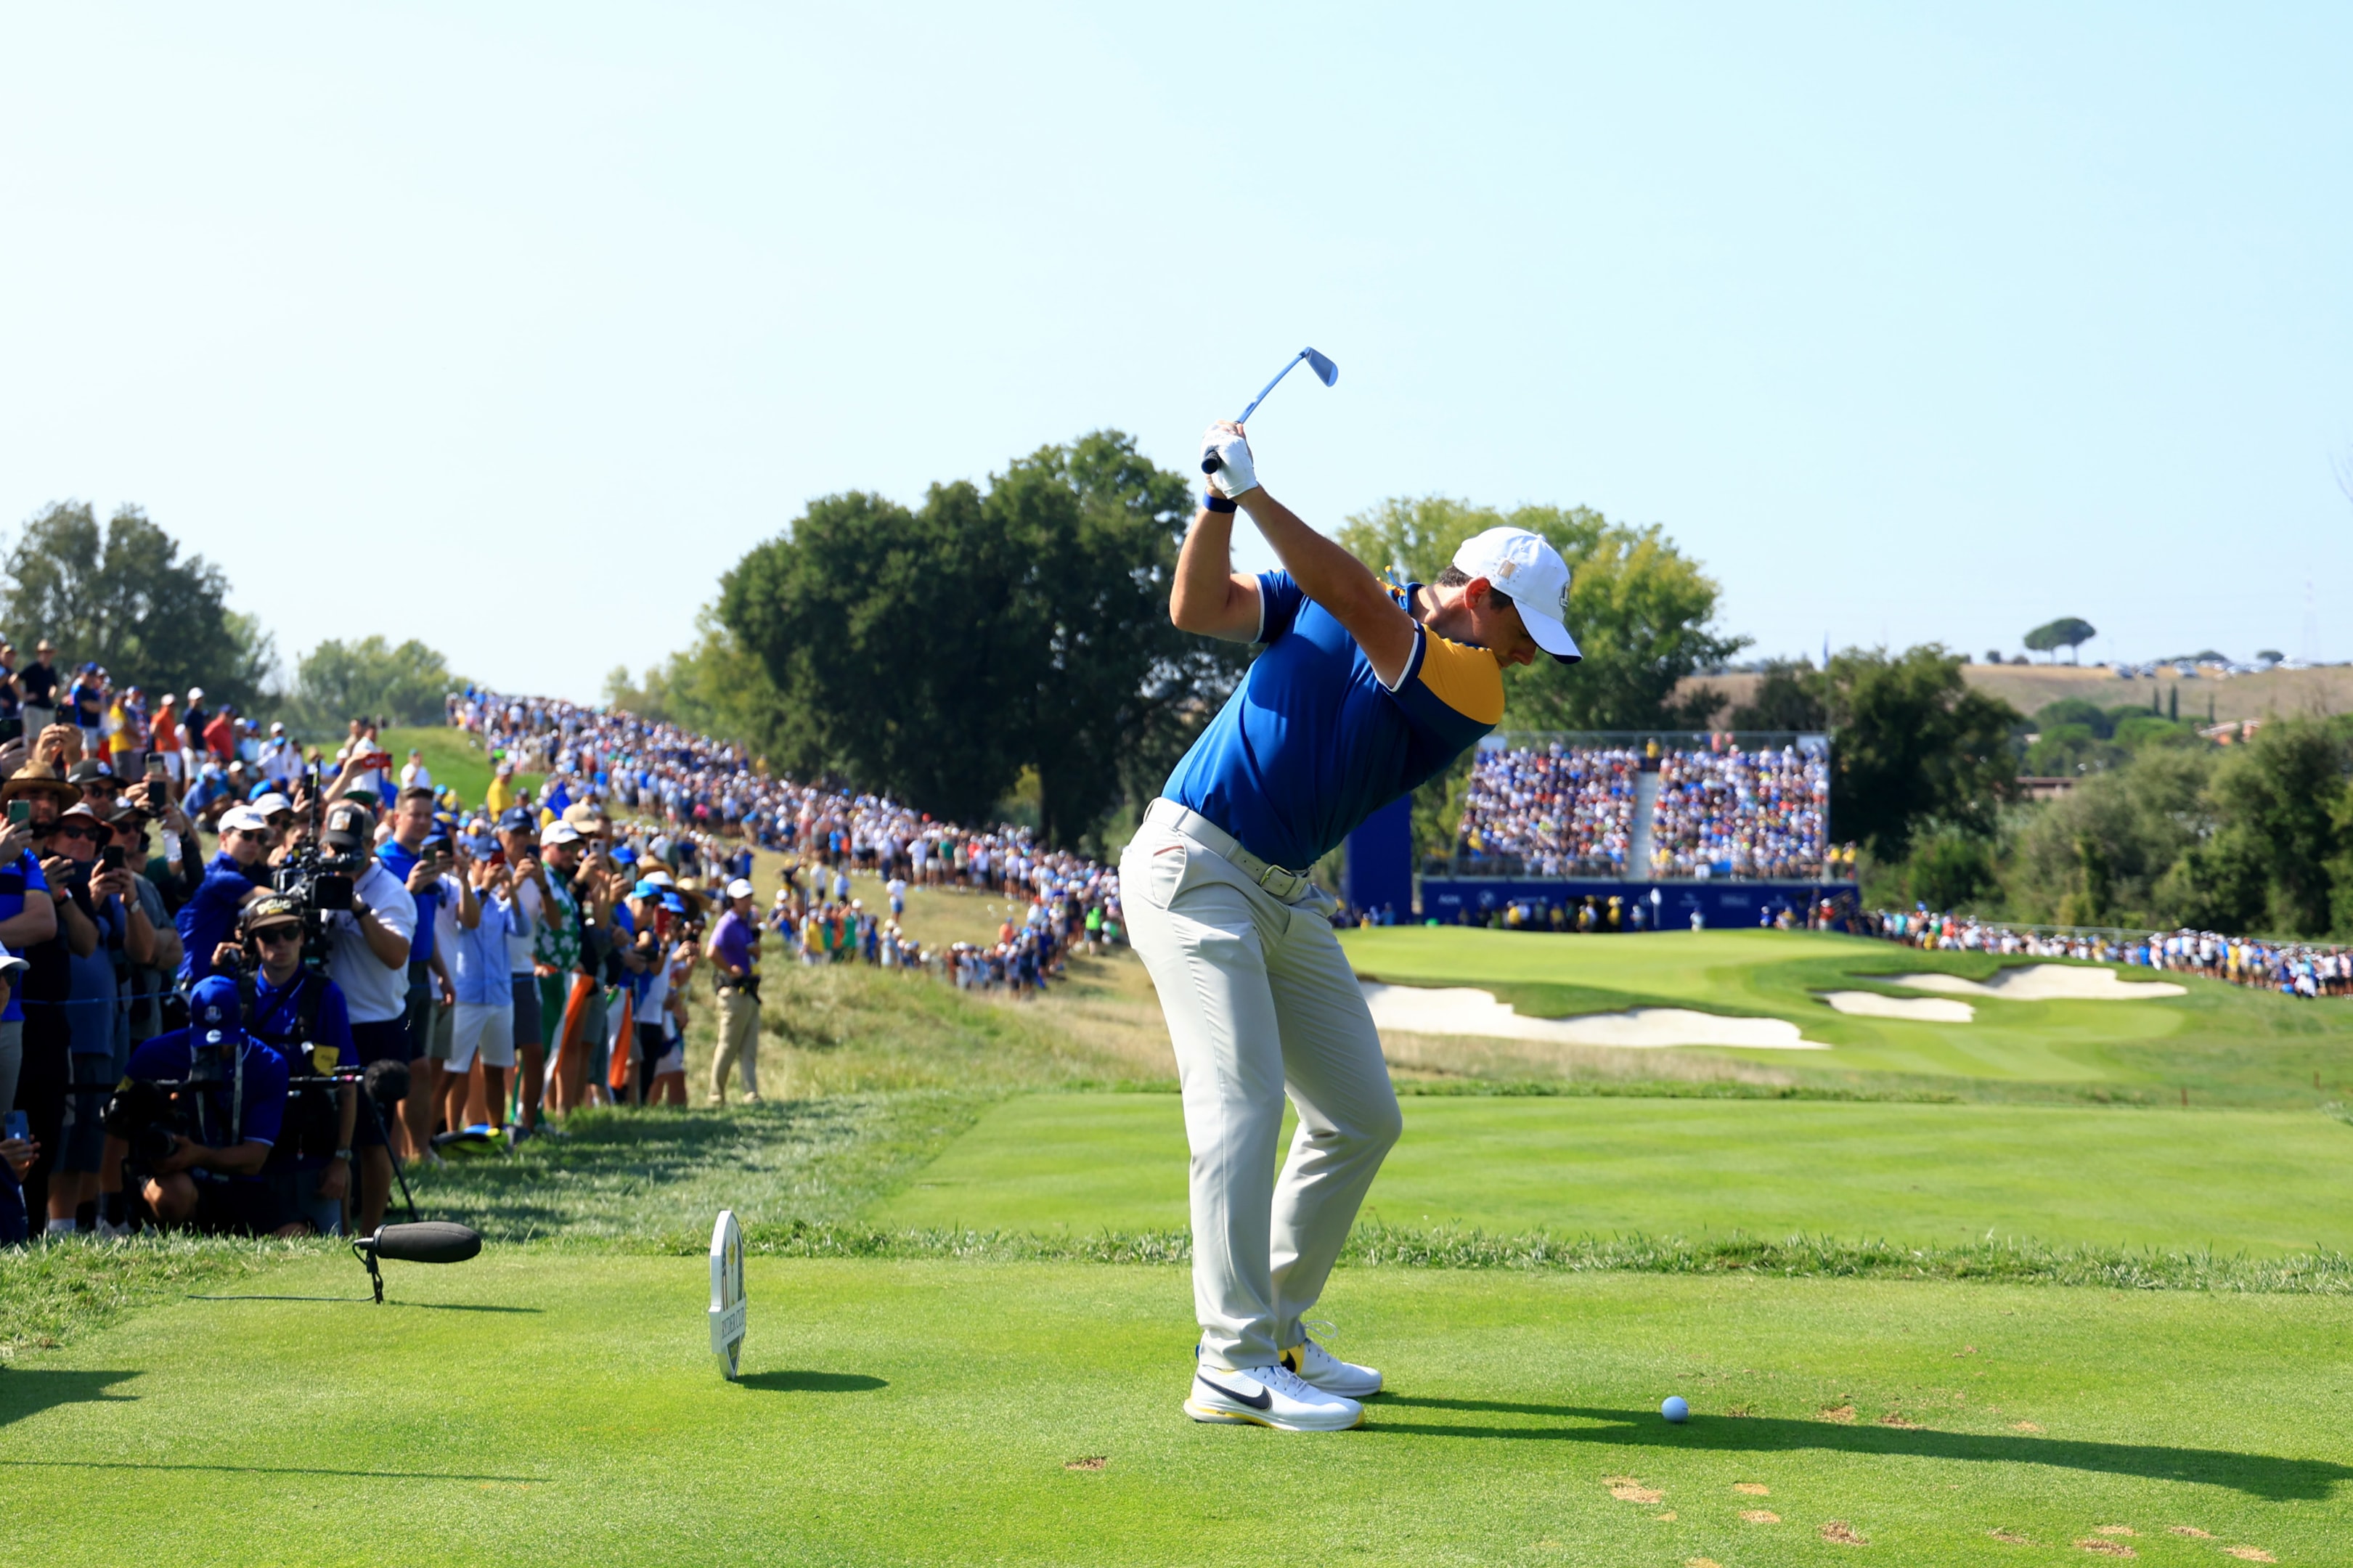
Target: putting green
{"x":2216,"y":1033}
{"x":2253,"y":1181}
{"x":539,"y":1406}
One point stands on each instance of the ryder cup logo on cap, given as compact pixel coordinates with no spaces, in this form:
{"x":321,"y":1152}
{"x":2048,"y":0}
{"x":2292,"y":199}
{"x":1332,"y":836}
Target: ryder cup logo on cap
{"x":212,"y":1008}
{"x":1527,"y":570}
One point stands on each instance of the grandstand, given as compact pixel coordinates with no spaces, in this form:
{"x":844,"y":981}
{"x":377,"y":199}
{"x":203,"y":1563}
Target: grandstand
{"x":1728,"y":825}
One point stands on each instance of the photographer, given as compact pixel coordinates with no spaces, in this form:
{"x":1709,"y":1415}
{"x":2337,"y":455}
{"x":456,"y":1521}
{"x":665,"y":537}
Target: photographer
{"x":234,"y":879}
{"x":297,"y":1014}
{"x":194,"y":1121}
{"x":367,"y":958}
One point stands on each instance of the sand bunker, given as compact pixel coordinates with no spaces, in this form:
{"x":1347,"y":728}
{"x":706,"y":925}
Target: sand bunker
{"x":1460,"y":1010}
{"x":2043,"y":983}
{"x":1912,"y":1009}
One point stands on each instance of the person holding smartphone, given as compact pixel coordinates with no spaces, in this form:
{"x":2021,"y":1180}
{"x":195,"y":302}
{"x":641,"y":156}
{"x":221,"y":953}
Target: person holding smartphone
{"x":106,"y":931}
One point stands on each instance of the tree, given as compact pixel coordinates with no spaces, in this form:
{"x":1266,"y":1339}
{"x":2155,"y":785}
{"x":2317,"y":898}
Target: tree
{"x":1914,"y":745}
{"x":935,"y":652}
{"x":123,"y":597}
{"x":2067,"y":632}
{"x":716,"y":687}
{"x":1789,"y":697}
{"x":2278,"y":846}
{"x":369,"y":678}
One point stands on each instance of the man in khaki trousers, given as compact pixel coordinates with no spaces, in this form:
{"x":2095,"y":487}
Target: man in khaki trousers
{"x":1363,"y":691}
{"x":734,"y":949}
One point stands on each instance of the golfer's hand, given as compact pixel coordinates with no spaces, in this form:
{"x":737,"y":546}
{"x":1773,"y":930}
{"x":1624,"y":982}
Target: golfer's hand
{"x":1235,"y":472}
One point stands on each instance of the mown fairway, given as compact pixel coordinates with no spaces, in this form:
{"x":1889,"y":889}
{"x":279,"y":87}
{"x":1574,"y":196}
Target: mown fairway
{"x":535,"y":1407}
{"x":1904,"y":1173}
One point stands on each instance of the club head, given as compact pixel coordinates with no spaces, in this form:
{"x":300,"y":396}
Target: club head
{"x":1326,"y":371}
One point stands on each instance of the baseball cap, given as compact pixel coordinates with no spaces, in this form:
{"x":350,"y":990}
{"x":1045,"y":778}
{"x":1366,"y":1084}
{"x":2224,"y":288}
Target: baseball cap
{"x":646,"y":890}
{"x":348,"y":825}
{"x":1525,"y":567}
{"x":275,"y":910}
{"x":558,"y":832}
{"x":243,"y":819}
{"x":515,"y":819}
{"x":271,"y":802}
{"x":673,"y":903}
{"x":212,"y":1008}
{"x":741,"y":888}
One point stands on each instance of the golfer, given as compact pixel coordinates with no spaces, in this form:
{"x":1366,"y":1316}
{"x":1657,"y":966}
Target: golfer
{"x":1363,"y":691}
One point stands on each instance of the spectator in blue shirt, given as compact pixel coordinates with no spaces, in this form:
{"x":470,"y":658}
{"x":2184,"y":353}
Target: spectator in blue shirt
{"x":304,"y":1018}
{"x":233,"y":881}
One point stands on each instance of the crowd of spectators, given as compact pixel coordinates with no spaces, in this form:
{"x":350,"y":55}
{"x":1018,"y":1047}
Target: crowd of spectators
{"x":1563,"y":811}
{"x":693,"y":785}
{"x":2290,"y":968}
{"x":1568,"y":810}
{"x":1763,"y":814}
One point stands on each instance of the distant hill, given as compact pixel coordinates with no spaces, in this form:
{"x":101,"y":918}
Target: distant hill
{"x":2284,"y":693}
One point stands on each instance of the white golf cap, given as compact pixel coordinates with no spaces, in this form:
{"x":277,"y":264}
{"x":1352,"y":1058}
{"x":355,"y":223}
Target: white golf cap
{"x":243,"y":819}
{"x":558,"y":832}
{"x":739,"y":888}
{"x":1526,"y":568}
{"x":271,"y":805}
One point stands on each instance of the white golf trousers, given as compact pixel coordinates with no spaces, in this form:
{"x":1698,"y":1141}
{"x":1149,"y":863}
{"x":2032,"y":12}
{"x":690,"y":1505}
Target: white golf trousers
{"x":1261,"y":1003}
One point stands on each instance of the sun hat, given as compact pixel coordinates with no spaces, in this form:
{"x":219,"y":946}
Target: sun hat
{"x":1525,"y":567}
{"x":35,"y":776}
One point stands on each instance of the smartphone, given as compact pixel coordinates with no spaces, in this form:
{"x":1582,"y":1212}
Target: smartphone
{"x":155,"y":769}
{"x":17,"y":1124}
{"x":20,"y":811}
{"x":498,"y":856}
{"x":111,"y":857}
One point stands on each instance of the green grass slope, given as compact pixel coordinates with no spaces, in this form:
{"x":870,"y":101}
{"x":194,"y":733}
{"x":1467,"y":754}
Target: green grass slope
{"x":1909,"y":1173}
{"x":453,"y":759}
{"x":533,"y":1407}
{"x":2218,"y":1040}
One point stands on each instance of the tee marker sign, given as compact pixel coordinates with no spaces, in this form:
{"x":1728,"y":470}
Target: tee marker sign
{"x":727,"y":1293}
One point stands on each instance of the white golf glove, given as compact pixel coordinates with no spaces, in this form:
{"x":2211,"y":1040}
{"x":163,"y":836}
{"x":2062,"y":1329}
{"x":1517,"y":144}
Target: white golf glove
{"x":1234,"y":473}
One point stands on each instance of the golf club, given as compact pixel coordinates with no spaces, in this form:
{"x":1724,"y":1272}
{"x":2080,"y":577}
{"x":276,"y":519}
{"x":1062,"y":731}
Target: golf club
{"x":1326,"y":372}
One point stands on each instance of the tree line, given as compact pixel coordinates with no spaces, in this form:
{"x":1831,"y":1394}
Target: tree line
{"x":122,"y":595}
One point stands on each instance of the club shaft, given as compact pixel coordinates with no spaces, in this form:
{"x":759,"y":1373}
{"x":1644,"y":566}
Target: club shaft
{"x":1270,"y":386}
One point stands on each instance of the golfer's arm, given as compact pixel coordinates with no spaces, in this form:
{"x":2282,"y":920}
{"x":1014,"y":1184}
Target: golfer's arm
{"x":1208,"y":597}
{"x":1336,"y":580}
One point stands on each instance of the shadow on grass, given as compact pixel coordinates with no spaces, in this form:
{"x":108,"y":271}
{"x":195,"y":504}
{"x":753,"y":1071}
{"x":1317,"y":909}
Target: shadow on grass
{"x":29,"y":1390}
{"x":2259,"y":1475}
{"x":371,"y":1301}
{"x":811,"y":1382}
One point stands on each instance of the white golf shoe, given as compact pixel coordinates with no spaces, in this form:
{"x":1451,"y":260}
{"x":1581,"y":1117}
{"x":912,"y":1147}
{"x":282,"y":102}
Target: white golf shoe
{"x":1319,"y":1368}
{"x":1269,"y":1397}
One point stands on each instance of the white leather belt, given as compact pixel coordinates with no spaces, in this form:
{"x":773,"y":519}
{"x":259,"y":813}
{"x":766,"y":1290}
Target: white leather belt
{"x":1280,"y":883}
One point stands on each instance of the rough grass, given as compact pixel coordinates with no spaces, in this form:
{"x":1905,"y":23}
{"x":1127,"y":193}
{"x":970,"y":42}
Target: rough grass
{"x":1374,"y":1244}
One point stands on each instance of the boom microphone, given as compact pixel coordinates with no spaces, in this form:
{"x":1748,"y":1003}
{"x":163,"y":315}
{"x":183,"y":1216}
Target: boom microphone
{"x":428,"y":1241}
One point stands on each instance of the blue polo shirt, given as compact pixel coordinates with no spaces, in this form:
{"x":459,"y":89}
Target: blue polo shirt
{"x":221,"y":1121}
{"x":277,"y":1016}
{"x":400,"y":860}
{"x":18,"y":882}
{"x":1311,"y":744}
{"x":209,"y":918}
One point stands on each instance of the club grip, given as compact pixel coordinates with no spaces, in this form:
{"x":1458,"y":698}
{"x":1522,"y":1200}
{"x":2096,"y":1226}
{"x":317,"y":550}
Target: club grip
{"x":1211,"y":463}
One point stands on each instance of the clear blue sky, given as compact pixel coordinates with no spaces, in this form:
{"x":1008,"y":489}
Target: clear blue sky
{"x":1912,"y":323}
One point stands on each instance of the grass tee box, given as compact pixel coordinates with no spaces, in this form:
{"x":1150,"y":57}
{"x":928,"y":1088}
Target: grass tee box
{"x":2246,"y":1044}
{"x":545,"y":1406}
{"x":1913,"y":1174}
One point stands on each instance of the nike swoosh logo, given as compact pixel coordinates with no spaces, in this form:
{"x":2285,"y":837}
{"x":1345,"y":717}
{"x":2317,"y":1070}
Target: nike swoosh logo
{"x":1258,"y":1401}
